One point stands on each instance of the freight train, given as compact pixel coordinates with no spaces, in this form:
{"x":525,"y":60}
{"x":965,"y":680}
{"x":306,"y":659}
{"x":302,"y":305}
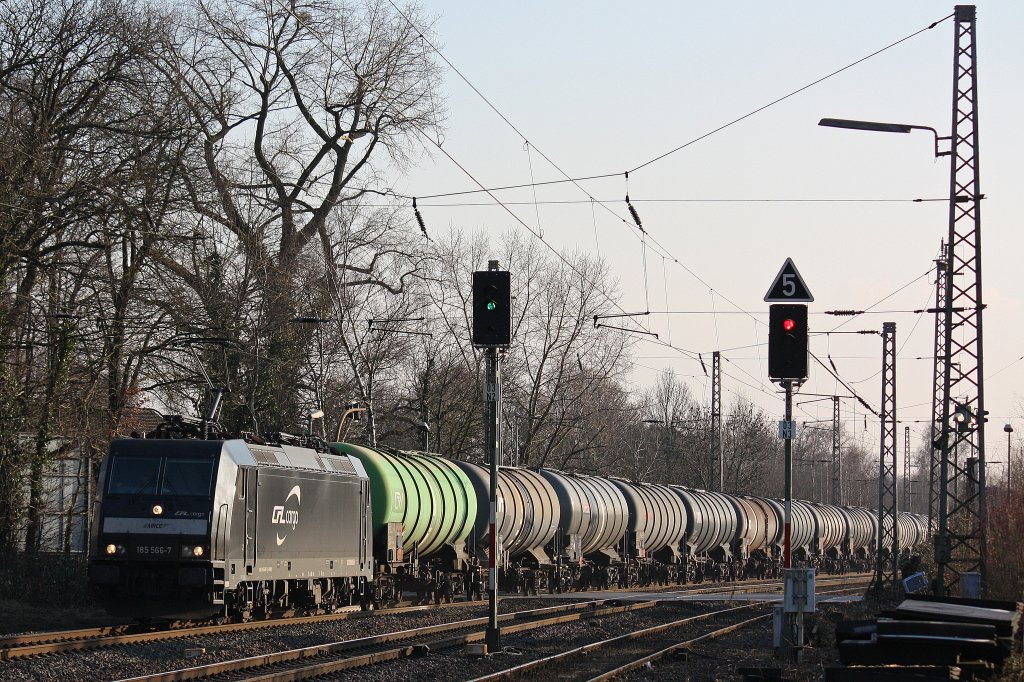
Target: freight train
{"x":193,"y":528}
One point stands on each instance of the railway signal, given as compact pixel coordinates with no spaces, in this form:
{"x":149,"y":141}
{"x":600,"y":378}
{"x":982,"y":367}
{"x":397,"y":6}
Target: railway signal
{"x":492,"y":329}
{"x":492,"y":308}
{"x":787,"y":363}
{"x":787,"y":342}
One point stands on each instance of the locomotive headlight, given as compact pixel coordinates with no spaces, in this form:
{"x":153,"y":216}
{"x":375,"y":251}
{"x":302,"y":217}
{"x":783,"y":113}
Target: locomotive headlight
{"x":197,"y":551}
{"x":111,"y":549}
{"x":188,"y":551}
{"x":157,"y":510}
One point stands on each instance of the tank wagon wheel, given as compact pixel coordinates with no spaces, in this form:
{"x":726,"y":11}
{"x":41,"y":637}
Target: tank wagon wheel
{"x":449,"y":589}
{"x":672,"y":574}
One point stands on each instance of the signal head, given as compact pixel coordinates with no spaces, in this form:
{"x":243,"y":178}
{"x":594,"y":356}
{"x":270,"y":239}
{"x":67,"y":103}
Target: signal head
{"x":787,"y":342}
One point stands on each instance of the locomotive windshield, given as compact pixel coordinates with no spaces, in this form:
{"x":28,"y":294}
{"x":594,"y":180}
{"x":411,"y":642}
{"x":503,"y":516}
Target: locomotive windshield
{"x":186,"y":477}
{"x":190,"y":477}
{"x":134,"y":476}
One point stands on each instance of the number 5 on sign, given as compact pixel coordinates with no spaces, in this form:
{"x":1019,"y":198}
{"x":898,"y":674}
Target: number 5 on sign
{"x":788,"y":286}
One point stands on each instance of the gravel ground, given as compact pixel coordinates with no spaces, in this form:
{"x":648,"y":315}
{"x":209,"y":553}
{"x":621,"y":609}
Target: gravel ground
{"x":141,"y":659}
{"x":21,"y":618}
{"x":716,"y":660}
{"x":520,"y":648}
{"x":751,"y":647}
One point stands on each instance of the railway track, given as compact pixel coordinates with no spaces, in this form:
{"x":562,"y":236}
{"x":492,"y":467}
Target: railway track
{"x":603,"y":660}
{"x":599,"y":660}
{"x":333,"y":658}
{"x":39,"y":644}
{"x":325,"y":659}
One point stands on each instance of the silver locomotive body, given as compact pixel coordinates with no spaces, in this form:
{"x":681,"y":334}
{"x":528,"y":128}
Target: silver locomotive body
{"x":189,"y":528}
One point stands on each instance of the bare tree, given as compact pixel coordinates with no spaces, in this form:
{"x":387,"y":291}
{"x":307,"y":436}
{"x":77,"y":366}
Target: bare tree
{"x":76,"y":105}
{"x":559,"y":360}
{"x":293,"y":104}
{"x":752,"y":451}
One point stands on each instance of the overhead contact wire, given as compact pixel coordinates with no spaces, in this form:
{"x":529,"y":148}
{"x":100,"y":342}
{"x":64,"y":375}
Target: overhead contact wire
{"x":440,"y":147}
{"x":791,"y":94}
{"x":661,"y":247}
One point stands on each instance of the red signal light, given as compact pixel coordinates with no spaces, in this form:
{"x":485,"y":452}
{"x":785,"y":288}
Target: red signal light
{"x":788,"y":325}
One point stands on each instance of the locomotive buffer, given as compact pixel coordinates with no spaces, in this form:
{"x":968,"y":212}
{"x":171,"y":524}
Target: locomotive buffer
{"x":788,"y":356}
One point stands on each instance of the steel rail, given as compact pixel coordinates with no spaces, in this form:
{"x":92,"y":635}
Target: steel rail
{"x":586,"y":649}
{"x":668,"y":651}
{"x":298,"y":663}
{"x":59,"y":641}
{"x":345,"y":648}
{"x":672,"y":649}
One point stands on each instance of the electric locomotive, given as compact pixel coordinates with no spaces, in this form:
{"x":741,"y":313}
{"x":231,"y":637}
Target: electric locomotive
{"x":193,"y":528}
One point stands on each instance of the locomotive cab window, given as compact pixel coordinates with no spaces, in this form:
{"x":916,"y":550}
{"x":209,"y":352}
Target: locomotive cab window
{"x":180,"y":476}
{"x":187,"y":477}
{"x":134,"y":476}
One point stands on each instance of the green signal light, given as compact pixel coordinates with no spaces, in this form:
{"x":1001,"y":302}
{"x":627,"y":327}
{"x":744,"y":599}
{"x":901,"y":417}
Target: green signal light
{"x":491,"y":305}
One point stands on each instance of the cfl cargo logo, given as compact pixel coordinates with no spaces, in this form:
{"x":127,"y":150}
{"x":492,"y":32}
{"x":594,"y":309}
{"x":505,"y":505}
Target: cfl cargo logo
{"x":287,"y":514}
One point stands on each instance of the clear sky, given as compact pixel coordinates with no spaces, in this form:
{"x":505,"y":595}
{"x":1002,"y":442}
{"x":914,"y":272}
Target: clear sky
{"x":602,"y":87}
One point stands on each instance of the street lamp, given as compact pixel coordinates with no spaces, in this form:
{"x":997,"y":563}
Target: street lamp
{"x":1009,"y":461}
{"x":960,"y":547}
{"x":882,"y":128}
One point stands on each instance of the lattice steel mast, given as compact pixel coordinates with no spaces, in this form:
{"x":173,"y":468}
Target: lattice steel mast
{"x":906,"y":469}
{"x":837,"y":465}
{"x":715,"y":452}
{"x":887,"y":551}
{"x":960,"y":547}
{"x":938,"y":380}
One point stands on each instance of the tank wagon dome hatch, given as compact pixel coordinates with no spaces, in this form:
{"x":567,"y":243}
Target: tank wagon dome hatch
{"x":432,"y":499}
{"x":657,"y":516}
{"x":591,"y":508}
{"x":527,"y":510}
